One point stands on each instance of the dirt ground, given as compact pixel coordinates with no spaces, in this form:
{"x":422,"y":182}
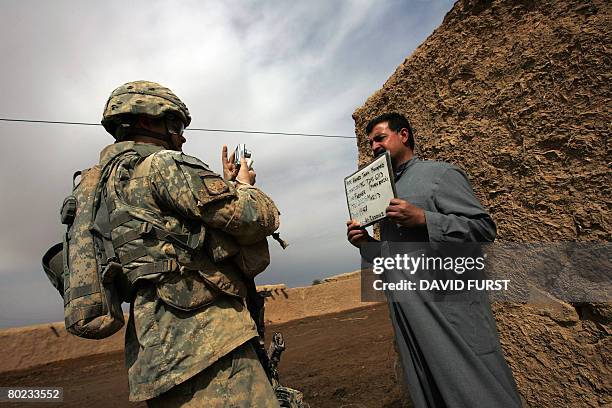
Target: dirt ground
{"x":338,"y":360}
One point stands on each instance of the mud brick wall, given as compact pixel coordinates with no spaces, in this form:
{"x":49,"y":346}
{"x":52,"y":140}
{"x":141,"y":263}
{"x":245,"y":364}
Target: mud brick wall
{"x":518,"y":94}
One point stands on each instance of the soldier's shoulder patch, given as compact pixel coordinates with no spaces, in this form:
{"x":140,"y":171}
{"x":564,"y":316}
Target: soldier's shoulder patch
{"x":215,"y":185}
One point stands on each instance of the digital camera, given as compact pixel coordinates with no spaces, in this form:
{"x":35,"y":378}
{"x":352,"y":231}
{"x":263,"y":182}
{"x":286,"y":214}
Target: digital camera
{"x":240,"y":152}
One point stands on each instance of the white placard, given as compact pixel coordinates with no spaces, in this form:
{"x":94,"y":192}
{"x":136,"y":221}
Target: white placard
{"x":369,"y":190}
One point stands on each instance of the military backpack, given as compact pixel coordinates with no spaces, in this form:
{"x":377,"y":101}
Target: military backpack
{"x":83,"y":267}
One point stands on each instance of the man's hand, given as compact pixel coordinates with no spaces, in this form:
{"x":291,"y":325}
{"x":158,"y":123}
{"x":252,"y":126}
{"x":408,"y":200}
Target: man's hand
{"x":229,"y":168}
{"x":405,"y":214}
{"x":356,"y":235}
{"x":246,"y":174}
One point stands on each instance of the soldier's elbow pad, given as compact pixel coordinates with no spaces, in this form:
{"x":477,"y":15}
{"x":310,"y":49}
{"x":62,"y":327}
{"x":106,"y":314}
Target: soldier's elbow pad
{"x":261,"y":213}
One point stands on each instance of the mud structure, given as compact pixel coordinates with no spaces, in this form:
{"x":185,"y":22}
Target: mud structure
{"x":517,"y":93}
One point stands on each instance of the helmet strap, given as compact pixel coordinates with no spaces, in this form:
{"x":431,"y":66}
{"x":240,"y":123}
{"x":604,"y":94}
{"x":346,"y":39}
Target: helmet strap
{"x":133,"y":131}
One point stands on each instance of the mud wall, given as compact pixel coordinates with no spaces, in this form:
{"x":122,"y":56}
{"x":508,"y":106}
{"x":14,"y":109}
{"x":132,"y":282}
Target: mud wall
{"x":27,"y":347}
{"x":517,"y":93}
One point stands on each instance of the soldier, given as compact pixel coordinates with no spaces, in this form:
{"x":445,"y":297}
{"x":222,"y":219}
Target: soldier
{"x":190,"y":242}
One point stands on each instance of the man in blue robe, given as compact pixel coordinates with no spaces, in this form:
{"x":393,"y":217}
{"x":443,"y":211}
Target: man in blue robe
{"x":449,"y":349}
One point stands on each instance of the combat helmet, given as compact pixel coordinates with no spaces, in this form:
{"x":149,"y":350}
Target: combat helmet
{"x":141,"y":98}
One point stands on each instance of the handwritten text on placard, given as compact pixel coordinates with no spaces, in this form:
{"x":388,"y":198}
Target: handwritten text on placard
{"x":369,"y":191}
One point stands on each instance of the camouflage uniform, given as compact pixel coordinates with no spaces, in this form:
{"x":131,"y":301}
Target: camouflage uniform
{"x":235,"y":380}
{"x":182,"y":233}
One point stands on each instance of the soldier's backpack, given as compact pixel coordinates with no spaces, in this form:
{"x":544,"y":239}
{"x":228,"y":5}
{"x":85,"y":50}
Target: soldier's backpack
{"x":83,"y":267}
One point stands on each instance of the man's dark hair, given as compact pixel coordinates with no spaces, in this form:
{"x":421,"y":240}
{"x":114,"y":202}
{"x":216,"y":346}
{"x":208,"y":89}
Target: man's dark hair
{"x":396,"y":122}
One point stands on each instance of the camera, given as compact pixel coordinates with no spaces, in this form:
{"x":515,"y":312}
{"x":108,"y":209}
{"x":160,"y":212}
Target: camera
{"x":240,"y":152}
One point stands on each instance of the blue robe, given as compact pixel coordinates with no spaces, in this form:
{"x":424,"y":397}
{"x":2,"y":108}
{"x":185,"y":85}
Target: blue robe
{"x":449,"y":350}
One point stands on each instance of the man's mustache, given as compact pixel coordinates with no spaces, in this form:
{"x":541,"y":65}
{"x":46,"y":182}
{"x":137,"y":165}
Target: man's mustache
{"x":379,"y":152}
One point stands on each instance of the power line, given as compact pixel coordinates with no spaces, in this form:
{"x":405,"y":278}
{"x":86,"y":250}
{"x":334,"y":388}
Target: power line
{"x":60,"y":122}
{"x":56,"y":122}
{"x":271,"y":133}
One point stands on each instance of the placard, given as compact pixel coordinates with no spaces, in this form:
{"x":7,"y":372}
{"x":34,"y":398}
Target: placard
{"x":369,"y":190}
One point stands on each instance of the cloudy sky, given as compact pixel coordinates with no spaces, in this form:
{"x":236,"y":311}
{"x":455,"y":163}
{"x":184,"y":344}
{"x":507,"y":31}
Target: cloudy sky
{"x":292,"y":66}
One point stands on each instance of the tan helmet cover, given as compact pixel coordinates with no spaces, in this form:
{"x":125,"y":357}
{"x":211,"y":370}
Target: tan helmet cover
{"x":142,"y":98}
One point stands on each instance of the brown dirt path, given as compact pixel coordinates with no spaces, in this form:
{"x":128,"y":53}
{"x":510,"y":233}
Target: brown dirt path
{"x":338,"y":360}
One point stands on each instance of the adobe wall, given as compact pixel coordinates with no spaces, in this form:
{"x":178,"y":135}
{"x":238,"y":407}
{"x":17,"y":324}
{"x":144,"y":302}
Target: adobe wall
{"x":517,"y":93}
{"x":27,"y":347}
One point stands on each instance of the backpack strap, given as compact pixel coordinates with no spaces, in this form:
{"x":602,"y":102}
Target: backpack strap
{"x":163,"y":266}
{"x":190,"y":242}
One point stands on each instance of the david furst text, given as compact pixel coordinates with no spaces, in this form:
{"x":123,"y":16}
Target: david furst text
{"x":412,"y":264}
{"x":444,"y":285}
